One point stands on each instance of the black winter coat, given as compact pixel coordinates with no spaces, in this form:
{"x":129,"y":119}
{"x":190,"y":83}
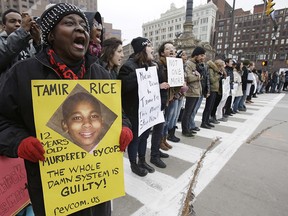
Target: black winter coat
{"x":17,"y":120}
{"x":130,"y":99}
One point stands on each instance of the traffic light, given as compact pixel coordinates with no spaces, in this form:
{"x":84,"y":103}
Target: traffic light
{"x":269,"y":7}
{"x":264,"y":63}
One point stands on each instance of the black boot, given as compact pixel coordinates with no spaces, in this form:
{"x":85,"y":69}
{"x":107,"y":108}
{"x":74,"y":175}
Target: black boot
{"x":142,"y":163}
{"x":138,"y":170}
{"x":157,"y":162}
{"x":163,"y":155}
{"x":171,"y":135}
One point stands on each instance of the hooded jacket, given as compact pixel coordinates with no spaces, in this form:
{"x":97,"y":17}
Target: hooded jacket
{"x":215,"y":76}
{"x":97,"y":16}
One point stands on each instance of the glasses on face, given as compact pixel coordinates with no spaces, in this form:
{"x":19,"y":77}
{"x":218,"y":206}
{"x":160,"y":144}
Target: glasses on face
{"x":97,"y":25}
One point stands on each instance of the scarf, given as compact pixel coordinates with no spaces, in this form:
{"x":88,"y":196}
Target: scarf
{"x":62,"y":69}
{"x":95,"y":49}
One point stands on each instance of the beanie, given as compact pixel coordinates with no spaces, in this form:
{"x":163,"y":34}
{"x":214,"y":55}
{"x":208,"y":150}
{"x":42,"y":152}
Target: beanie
{"x":198,"y":51}
{"x":179,"y":53}
{"x":139,"y":44}
{"x":54,"y":14}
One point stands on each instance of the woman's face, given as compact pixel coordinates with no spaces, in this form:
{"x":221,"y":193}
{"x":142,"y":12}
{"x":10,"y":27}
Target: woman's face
{"x":169,"y":50}
{"x":96,"y":32}
{"x":116,"y":59}
{"x":184,"y":56}
{"x":70,"y":38}
{"x":84,"y":125}
{"x":149,"y":51}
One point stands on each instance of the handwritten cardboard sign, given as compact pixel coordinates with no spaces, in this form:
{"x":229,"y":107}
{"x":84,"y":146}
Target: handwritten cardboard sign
{"x":149,"y":112}
{"x":13,"y":195}
{"x":79,"y":124}
{"x":175,"y":71}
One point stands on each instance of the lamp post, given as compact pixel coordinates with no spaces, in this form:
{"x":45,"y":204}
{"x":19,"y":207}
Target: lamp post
{"x":271,"y":54}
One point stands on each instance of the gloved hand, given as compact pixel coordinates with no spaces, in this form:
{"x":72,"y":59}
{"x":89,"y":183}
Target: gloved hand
{"x":31,"y":149}
{"x":125,"y":138}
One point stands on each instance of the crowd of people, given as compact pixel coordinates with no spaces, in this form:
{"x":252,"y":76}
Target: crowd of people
{"x":66,"y":43}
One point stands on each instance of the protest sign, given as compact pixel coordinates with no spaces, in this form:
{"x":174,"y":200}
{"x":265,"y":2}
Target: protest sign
{"x":13,"y":193}
{"x":149,"y":113}
{"x":225,"y":88}
{"x":175,"y":71}
{"x":79,"y":124}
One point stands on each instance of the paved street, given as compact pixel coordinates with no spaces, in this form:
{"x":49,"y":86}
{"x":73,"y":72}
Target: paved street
{"x":243,"y":173}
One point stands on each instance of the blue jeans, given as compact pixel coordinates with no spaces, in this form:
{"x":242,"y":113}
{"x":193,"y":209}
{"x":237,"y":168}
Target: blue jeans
{"x":170,"y":114}
{"x":198,"y":104}
{"x":236,"y":103}
{"x":243,"y":100}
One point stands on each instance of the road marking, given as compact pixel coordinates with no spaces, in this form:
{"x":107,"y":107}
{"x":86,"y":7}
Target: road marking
{"x":164,"y":195}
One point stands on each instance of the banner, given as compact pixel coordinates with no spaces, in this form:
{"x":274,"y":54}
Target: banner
{"x":149,"y":113}
{"x":175,"y":71}
{"x":13,"y":193}
{"x":79,"y":124}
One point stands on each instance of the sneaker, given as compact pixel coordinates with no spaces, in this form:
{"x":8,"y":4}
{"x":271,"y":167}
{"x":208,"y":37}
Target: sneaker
{"x":157,"y":162}
{"x":163,"y":155}
{"x":138,"y":170}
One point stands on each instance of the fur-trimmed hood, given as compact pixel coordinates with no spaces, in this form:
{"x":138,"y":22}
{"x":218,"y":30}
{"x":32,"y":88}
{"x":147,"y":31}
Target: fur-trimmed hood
{"x":212,"y":65}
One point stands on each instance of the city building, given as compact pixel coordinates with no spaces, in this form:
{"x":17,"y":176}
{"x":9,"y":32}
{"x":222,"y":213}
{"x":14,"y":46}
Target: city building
{"x":27,"y":5}
{"x":36,"y":8}
{"x":170,"y":24}
{"x":254,"y":37}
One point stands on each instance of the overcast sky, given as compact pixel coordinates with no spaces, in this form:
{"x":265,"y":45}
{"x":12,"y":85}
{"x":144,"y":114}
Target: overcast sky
{"x":129,"y":15}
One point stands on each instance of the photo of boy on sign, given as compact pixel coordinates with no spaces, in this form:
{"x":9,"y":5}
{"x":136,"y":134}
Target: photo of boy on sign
{"x":82,"y":119}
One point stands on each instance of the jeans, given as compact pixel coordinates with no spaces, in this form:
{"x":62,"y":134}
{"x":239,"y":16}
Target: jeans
{"x":178,"y":105}
{"x":243,"y":100}
{"x":188,"y":111}
{"x":170,"y":115}
{"x":236,"y":103}
{"x":198,"y":104}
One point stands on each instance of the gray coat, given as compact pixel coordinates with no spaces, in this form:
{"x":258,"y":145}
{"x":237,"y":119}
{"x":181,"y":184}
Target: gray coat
{"x":14,"y":47}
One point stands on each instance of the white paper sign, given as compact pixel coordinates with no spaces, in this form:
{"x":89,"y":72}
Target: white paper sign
{"x":175,"y":71}
{"x":149,"y":112}
{"x":225,"y":88}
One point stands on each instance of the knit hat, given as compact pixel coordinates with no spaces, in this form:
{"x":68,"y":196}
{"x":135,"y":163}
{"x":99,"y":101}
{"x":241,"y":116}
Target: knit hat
{"x":54,"y":14}
{"x":179,"y":53}
{"x":198,"y":51}
{"x":139,"y":44}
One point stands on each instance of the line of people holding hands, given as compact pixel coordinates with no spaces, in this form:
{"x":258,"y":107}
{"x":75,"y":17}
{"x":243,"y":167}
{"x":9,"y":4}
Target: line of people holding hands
{"x":67,"y":44}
